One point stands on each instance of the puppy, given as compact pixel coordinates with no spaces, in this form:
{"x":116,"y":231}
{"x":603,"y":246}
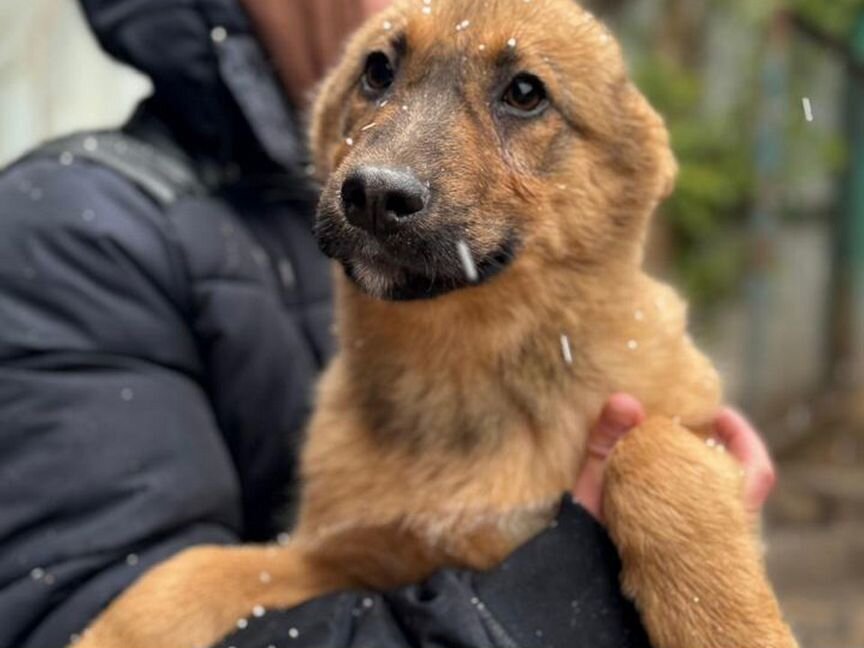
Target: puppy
{"x":490,"y":172}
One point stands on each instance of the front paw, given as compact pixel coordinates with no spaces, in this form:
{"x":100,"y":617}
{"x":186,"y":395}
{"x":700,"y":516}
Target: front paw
{"x":675,"y":511}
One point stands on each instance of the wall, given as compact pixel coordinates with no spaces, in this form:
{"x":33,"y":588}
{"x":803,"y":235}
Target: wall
{"x":54,"y":79}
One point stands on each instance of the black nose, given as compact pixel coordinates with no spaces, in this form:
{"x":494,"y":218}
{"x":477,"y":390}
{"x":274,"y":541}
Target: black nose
{"x":379,"y":199}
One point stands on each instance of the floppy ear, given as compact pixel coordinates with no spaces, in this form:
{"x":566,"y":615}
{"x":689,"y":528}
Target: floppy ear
{"x":648,"y":142}
{"x":668,"y":172}
{"x":327,"y":116}
{"x":662,"y":166}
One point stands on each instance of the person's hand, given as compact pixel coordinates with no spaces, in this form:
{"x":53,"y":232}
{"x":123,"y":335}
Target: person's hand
{"x":743,"y":442}
{"x":305,"y":37}
{"x":623,"y":413}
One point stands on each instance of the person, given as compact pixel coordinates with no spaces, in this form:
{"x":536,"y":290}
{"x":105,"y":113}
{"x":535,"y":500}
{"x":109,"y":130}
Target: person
{"x":163,"y":314}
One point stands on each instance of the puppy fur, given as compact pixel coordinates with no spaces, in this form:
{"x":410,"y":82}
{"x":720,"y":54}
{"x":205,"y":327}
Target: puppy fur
{"x":447,"y":428}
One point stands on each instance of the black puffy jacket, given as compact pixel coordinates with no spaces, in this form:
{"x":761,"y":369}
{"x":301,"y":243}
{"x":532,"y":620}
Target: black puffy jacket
{"x":156,"y":362}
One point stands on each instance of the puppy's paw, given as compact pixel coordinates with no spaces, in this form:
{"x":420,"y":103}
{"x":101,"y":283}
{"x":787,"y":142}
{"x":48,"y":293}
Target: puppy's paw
{"x":671,"y":479}
{"x":675,"y":510}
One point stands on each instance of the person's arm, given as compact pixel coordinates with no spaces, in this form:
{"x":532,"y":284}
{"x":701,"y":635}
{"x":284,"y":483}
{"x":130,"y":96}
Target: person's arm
{"x":110,"y":460}
{"x":560,"y":589}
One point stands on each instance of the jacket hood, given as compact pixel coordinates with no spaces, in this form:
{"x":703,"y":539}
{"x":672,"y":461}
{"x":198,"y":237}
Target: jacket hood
{"x":213,"y":85}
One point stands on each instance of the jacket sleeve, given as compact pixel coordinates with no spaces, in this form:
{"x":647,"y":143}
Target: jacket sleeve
{"x":560,"y":590}
{"x":110,"y":460}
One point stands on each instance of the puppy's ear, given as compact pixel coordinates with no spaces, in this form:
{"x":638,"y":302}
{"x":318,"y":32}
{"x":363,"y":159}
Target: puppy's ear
{"x":327,"y":119}
{"x":662,"y":166}
{"x":668,"y":172}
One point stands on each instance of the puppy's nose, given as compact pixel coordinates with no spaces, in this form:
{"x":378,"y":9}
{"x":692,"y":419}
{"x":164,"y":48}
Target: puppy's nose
{"x":379,"y":200}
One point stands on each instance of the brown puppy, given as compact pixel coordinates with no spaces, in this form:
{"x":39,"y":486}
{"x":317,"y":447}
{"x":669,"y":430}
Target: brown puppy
{"x":490,"y":174}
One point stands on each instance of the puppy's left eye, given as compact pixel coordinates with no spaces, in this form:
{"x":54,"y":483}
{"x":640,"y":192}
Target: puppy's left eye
{"x":378,"y":73}
{"x":526,"y":95}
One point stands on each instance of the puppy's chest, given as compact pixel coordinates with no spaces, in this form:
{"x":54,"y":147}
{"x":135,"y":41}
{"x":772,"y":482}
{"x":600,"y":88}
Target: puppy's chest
{"x":412,"y":546}
{"x":539,"y":384}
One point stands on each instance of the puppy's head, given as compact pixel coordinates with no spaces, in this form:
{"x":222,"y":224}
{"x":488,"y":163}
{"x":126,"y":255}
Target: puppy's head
{"x":457,"y":139}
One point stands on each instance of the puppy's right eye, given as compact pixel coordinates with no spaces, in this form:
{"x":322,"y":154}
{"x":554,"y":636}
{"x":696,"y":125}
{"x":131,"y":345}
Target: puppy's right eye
{"x":378,"y":74}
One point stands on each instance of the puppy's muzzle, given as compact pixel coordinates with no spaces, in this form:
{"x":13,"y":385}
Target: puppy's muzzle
{"x":382,"y":200}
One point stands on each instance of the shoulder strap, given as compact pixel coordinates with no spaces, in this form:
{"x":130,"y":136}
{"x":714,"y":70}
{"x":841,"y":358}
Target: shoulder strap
{"x":162,"y":176}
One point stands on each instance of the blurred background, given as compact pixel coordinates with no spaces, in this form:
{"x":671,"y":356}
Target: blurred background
{"x":765,"y":101}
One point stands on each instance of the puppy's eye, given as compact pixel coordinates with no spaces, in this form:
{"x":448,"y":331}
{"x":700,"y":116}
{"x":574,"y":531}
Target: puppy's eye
{"x":378,"y":74}
{"x":526,"y":95}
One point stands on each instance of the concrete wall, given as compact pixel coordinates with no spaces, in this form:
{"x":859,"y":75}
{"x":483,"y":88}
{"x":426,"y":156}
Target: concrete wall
{"x":54,"y":79}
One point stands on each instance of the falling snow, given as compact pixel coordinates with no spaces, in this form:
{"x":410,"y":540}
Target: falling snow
{"x":511,"y":42}
{"x":37,"y":573}
{"x":368,"y":602}
{"x":264,"y":577}
{"x":258,"y":611}
{"x":132,"y":559}
{"x":127,"y":394}
{"x":293,"y":633}
{"x":565,"y":350}
{"x":632,"y":345}
{"x":467,"y":260}
{"x":808,"y":109}
{"x":242,"y":623}
{"x":218,"y":34}
{"x":463,"y":25}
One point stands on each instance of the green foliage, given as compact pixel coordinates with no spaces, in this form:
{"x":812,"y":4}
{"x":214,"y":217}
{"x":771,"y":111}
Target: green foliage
{"x":716,"y":148}
{"x":715,"y":183}
{"x":837,"y":17}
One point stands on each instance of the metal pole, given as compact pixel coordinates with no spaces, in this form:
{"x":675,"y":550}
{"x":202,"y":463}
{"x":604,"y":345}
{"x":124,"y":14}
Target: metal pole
{"x":848,"y":309}
{"x":764,"y":222}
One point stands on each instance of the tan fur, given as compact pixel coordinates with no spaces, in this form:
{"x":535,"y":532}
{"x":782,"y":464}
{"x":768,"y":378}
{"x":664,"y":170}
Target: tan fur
{"x":447,"y":429}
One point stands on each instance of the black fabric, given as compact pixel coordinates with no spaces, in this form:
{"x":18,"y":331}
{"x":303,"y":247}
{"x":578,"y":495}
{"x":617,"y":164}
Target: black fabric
{"x":163,"y":176}
{"x":172,"y":42}
{"x":155,"y":371}
{"x":559,"y":590}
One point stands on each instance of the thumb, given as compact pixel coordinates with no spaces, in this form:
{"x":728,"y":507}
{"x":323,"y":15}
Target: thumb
{"x":621,"y":414}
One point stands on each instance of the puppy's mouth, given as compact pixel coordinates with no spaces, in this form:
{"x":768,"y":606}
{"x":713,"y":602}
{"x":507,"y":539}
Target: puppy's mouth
{"x":424,"y":264}
{"x":399,"y":283}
